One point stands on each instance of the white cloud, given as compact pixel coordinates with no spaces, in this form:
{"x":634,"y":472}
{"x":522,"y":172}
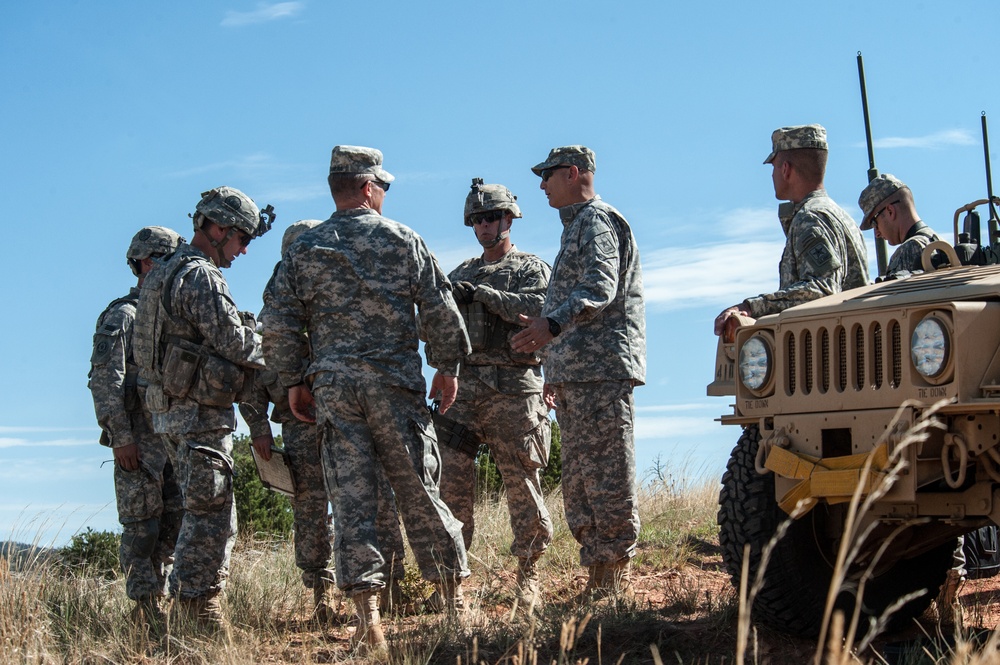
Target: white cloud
{"x":942,"y":139}
{"x":262,"y":14}
{"x":667,"y":408}
{"x":674,"y":427}
{"x":253,"y":162}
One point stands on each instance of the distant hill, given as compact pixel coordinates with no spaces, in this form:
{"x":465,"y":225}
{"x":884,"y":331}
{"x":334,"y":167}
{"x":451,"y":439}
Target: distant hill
{"x":20,"y":554}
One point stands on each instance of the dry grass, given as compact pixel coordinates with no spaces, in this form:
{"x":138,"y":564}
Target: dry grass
{"x":685,"y":610}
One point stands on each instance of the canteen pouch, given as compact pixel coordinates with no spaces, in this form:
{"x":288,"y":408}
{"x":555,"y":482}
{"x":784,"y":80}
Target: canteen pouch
{"x":180,"y":368}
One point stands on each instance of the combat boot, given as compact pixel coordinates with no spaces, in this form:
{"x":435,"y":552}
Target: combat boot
{"x":369,"y":636}
{"x":618,"y":579}
{"x":204,"y":613}
{"x":529,"y":595}
{"x":326,"y":603}
{"x":147,"y":614}
{"x":452,"y":598}
{"x":390,"y":598}
{"x":595,"y":580}
{"x":947,"y":601}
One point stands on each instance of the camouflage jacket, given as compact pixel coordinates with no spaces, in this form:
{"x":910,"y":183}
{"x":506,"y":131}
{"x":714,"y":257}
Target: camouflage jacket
{"x":353,"y":282}
{"x":513,"y":285}
{"x":906,"y":258}
{"x":113,"y":375}
{"x":824,"y":254}
{"x":595,"y":295}
{"x":203,"y":312}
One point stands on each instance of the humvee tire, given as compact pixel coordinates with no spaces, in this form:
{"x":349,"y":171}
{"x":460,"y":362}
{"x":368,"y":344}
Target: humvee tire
{"x":799,"y":572}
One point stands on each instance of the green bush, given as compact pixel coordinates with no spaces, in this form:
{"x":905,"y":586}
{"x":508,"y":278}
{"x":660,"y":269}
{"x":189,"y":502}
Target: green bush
{"x":258,"y":510}
{"x":93,"y":553}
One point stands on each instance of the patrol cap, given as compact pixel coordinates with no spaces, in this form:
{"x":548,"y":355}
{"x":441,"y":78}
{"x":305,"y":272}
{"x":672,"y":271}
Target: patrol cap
{"x":579,"y":156}
{"x":357,"y":160}
{"x":878,"y":190}
{"x":795,"y":138}
{"x":296,"y":229}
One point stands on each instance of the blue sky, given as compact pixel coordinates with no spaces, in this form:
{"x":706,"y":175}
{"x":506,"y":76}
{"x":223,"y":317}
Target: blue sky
{"x":116,"y":115}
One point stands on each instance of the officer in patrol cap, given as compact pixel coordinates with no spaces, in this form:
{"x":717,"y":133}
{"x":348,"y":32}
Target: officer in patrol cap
{"x":889,"y":209}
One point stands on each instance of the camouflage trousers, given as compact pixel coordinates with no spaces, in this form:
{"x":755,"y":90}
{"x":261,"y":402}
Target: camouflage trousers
{"x":313,"y":520}
{"x":368,"y":425}
{"x":310,"y":507}
{"x":598,"y":473}
{"x":208,"y":530}
{"x":516,"y":428}
{"x":150,"y":511}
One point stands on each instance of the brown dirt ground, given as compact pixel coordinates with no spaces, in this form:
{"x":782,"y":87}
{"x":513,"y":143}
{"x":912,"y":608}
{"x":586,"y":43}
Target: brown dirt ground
{"x":689,"y":614}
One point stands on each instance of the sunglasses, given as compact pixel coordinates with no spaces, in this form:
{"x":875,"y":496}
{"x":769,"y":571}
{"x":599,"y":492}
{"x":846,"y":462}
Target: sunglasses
{"x":875,"y":216}
{"x":547,"y":173}
{"x":486,"y":217}
{"x":383,"y":185}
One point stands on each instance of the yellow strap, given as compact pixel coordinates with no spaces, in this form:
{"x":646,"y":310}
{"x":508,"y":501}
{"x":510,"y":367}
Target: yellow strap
{"x":834,"y":479}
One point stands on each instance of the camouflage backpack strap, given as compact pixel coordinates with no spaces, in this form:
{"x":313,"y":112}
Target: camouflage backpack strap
{"x":168,"y":282}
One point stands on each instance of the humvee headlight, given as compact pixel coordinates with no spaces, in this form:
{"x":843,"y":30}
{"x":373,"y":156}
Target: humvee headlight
{"x":755,"y":363}
{"x":930,"y":346}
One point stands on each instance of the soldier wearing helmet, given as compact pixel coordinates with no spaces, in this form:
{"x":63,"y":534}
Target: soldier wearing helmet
{"x":194,"y":350}
{"x":148,"y":497}
{"x":501,"y":397}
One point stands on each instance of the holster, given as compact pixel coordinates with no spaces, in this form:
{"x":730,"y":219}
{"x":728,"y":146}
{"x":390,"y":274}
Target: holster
{"x":452,"y":434}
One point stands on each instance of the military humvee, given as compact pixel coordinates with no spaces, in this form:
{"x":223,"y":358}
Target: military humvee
{"x":826,"y":390}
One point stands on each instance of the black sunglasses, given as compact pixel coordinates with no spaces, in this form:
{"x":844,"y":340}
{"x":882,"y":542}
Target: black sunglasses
{"x":875,"y":216}
{"x":547,"y":173}
{"x":383,"y":185}
{"x":486,"y":217}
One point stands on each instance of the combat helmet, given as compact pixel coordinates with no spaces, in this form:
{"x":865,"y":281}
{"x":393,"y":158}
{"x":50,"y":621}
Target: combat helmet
{"x":485,"y":198}
{"x":150,"y":241}
{"x":228,"y":207}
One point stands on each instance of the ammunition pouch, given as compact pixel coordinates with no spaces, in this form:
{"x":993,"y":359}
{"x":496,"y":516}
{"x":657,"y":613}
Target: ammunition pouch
{"x":479,"y":323}
{"x":455,"y":436}
{"x":192,"y":371}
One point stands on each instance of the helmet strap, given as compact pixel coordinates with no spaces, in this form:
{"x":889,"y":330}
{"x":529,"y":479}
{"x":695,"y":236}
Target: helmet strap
{"x":219,"y":244}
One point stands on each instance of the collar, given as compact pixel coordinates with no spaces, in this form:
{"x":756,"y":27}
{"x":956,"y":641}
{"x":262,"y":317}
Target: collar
{"x":917,"y":227}
{"x":568,"y":213}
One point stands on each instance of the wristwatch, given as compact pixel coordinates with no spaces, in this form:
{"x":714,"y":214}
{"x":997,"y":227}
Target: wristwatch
{"x":554,"y":326}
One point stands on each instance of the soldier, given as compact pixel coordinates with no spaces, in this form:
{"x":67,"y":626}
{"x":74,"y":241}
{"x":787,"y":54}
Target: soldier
{"x":149,"y":500}
{"x":824,"y":251}
{"x":310,"y":505}
{"x":593,"y":322}
{"x":896,"y":221}
{"x":501,"y":397}
{"x":193,"y":350}
{"x":354,"y":283}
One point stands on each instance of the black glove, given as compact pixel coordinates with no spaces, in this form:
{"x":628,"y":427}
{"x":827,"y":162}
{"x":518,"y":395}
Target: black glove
{"x":464,"y":292}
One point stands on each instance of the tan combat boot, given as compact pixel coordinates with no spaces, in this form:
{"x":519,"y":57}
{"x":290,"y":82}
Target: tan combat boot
{"x":529,"y":591}
{"x":948,"y":606}
{"x":326,"y":603}
{"x":369,"y":636}
{"x":618,"y":579}
{"x":452,"y":598}
{"x":390,"y":598}
{"x":147,"y":614}
{"x":204,"y":613}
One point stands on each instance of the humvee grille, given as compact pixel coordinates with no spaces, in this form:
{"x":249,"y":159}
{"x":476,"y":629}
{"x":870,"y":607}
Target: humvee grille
{"x":897,"y":355}
{"x":877,"y":348}
{"x":807,"y":362}
{"x":791,"y":364}
{"x":824,"y":359}
{"x":842,"y":360}
{"x":859,"y":357}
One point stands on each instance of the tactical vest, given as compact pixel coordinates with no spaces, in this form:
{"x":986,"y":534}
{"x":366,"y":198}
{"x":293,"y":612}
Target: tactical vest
{"x":179,"y":365}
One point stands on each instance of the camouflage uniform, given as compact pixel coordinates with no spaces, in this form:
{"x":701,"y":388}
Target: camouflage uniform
{"x":906,"y":258}
{"x":149,"y":499}
{"x":824,"y":251}
{"x":500,"y":400}
{"x":203,"y":314}
{"x":310,"y":504}
{"x":824,"y":254}
{"x":352,"y":282}
{"x":595,"y":296}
